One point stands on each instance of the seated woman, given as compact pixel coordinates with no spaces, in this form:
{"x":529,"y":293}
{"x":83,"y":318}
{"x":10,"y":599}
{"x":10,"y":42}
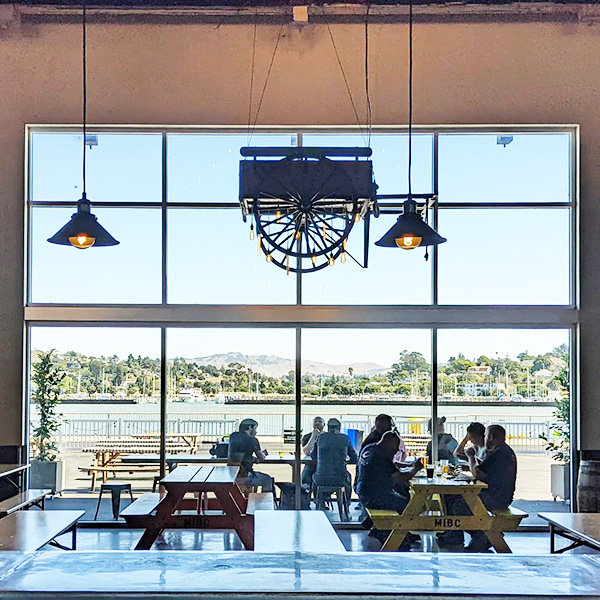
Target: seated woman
{"x":446,"y":443}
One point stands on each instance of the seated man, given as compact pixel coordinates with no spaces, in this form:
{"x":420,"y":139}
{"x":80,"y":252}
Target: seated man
{"x":332,"y":451}
{"x":499,"y":470}
{"x":308,"y":443}
{"x":378,"y":479}
{"x":383,"y":423}
{"x":245,"y":450}
{"x":476,"y":436}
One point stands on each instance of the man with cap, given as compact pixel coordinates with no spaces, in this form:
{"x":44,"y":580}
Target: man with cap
{"x":332,"y":451}
{"x":244,"y":450}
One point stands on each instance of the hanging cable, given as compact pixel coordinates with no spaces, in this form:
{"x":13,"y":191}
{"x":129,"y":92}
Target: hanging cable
{"x":251,"y":83}
{"x":266,"y":79}
{"x":84,"y":75}
{"x":339,"y":60}
{"x":410,"y":94}
{"x":367,"y":91}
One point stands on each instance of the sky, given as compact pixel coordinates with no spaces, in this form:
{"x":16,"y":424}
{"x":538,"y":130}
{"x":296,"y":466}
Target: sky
{"x":492,"y":256}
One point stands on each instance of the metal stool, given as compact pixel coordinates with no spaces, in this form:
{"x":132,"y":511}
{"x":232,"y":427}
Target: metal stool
{"x":115,"y":490}
{"x":324,"y":491}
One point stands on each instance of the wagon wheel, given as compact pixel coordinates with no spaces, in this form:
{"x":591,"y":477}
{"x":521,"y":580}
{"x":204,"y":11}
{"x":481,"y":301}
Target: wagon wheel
{"x":311,"y":221}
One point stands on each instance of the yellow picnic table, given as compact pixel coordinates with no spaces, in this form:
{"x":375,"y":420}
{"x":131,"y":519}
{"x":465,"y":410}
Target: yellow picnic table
{"x":418,"y":516}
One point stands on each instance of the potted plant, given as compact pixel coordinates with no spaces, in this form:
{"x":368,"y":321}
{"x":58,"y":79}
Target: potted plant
{"x":559,"y":442}
{"x":46,"y":470}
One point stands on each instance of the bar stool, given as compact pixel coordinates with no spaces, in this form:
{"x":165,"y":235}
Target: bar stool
{"x":115,"y":490}
{"x":325,"y":491}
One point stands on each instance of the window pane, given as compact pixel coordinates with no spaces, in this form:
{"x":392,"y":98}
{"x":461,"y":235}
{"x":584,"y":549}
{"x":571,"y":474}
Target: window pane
{"x":394,"y":276}
{"x":517,"y":379}
{"x":390,"y":158}
{"x":504,"y":256}
{"x":109,"y":396}
{"x":530,"y":168}
{"x":124,"y":274}
{"x":122,"y":166}
{"x":212,"y":261}
{"x":355,"y":375}
{"x":205,"y":167}
{"x":219,"y":377}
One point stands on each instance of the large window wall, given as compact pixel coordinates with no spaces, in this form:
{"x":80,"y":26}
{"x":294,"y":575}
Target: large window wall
{"x":232,"y":329}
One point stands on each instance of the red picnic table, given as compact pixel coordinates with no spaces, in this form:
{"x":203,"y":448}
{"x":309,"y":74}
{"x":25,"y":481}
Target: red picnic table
{"x":157,"y":512}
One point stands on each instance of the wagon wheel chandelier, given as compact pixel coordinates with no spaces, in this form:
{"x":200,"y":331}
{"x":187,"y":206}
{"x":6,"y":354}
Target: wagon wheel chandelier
{"x":305,"y":203}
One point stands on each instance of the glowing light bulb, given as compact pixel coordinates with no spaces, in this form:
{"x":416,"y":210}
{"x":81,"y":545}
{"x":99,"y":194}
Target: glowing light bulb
{"x":82,"y":241}
{"x":331,"y":261}
{"x":343,"y":258}
{"x":324,"y":231}
{"x":408,"y":241}
{"x":298,"y":235}
{"x":344,"y":243}
{"x":357,"y":217}
{"x":269,"y":258}
{"x":278,"y":216}
{"x":313,"y":258}
{"x":259,"y":245}
{"x":252,"y":232}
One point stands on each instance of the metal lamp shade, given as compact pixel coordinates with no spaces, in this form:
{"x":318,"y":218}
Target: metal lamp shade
{"x":83,"y":222}
{"x":410,"y":223}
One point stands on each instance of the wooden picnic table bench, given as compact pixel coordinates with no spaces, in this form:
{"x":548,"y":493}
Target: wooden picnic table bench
{"x":417,"y":515}
{"x":24,"y":500}
{"x":157,"y":512}
{"x":582,"y":529}
{"x":28,"y":531}
{"x":295,"y":531}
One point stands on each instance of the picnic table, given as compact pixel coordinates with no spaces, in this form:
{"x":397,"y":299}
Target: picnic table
{"x":18,"y":469}
{"x":582,"y":529}
{"x":173,"y":460}
{"x":417,"y":516}
{"x":156,"y":512}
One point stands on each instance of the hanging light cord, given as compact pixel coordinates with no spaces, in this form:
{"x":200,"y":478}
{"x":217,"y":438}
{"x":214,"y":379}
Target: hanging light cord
{"x":367,"y":91}
{"x":339,"y":60}
{"x":410,"y":94}
{"x":84,"y":75}
{"x":251,"y":83}
{"x":262,"y":95}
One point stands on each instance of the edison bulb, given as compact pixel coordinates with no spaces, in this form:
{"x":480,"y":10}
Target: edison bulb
{"x":82,"y":241}
{"x":408,"y":241}
{"x":278,"y":216}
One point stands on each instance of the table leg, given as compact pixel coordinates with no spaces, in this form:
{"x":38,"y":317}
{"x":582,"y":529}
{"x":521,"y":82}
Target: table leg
{"x":394,"y":540}
{"x":552,"y":546}
{"x":229,"y":498}
{"x":148,"y":538}
{"x":74,"y":537}
{"x":497,"y":540}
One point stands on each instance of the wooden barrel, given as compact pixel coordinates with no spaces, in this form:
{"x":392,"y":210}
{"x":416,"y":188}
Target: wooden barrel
{"x":588,"y":486}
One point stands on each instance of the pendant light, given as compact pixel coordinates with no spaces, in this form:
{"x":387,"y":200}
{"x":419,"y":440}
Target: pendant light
{"x":410,"y":231}
{"x":83,"y":230}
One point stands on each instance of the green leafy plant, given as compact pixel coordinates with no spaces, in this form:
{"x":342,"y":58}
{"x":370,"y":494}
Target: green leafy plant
{"x":559,"y":441}
{"x":46,"y":388}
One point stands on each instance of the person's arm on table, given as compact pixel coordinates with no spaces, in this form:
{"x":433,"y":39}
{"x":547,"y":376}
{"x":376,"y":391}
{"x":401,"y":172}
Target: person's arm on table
{"x":478,"y":473}
{"x":407,"y":474}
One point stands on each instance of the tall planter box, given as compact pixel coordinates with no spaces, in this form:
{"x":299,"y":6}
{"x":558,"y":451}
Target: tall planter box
{"x":47,"y":475}
{"x":560,"y":481}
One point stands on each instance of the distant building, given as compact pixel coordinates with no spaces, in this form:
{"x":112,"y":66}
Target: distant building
{"x":483,"y":389}
{"x":480,"y":370}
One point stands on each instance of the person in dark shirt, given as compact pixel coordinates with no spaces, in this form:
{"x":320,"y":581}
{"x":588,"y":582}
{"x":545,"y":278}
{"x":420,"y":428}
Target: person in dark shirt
{"x":332,"y":451}
{"x":499,"y":470}
{"x":383,"y":423}
{"x":378,"y":477}
{"x":244,"y":450}
{"x":476,"y":437}
{"x":308,"y":442}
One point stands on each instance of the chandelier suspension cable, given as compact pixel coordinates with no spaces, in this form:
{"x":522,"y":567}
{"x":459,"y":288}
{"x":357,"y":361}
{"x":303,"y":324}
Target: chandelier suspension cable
{"x":251,"y":82}
{"x":84,"y":87}
{"x":367,"y":90}
{"x":410,"y":94}
{"x":262,"y":95}
{"x":339,"y":60}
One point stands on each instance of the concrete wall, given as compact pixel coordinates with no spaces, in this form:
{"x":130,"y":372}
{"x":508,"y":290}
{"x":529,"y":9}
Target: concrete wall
{"x":199,"y":74}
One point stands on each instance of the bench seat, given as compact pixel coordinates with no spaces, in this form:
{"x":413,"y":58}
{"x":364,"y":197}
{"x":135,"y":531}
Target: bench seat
{"x":144,"y":506}
{"x":31,"y":497}
{"x":509,"y":519}
{"x":258,"y":501}
{"x":28,"y":530}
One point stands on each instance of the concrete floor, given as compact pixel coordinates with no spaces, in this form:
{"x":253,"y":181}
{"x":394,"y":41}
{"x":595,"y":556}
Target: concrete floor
{"x":530,"y":544}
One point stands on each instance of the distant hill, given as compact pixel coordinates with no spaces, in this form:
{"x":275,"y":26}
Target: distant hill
{"x":275,"y":366}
